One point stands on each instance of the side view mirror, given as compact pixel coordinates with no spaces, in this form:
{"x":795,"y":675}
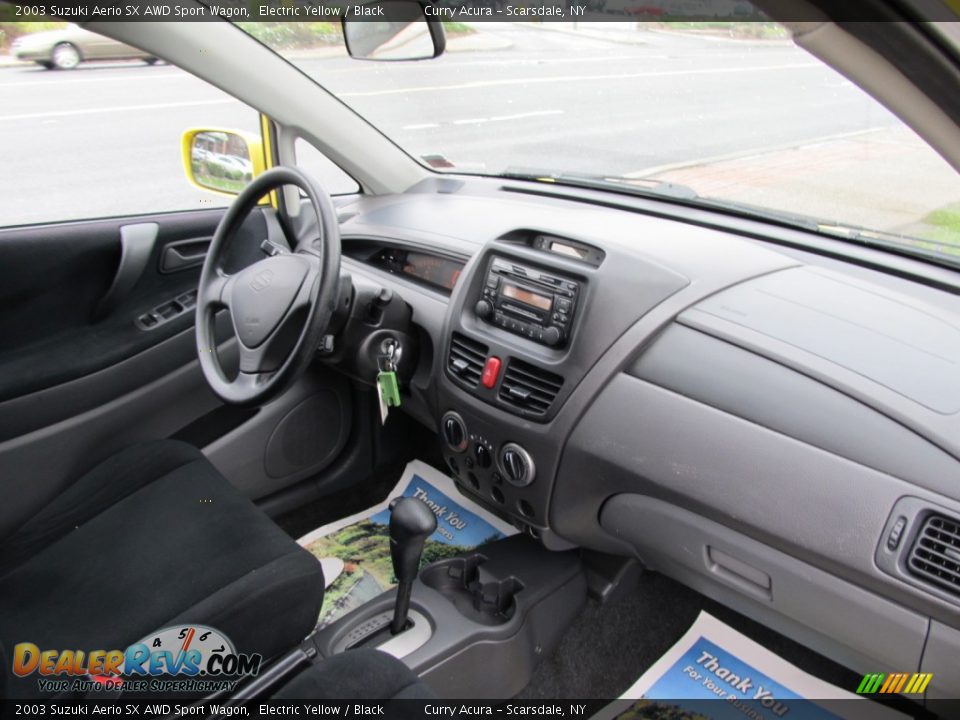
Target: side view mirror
{"x":222,"y":161}
{"x":392,"y":30}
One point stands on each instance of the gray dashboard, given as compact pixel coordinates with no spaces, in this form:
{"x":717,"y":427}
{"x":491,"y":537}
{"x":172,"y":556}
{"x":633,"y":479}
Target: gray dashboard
{"x":741,"y":416}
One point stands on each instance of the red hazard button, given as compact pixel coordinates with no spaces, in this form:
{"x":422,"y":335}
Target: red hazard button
{"x":490,"y":372}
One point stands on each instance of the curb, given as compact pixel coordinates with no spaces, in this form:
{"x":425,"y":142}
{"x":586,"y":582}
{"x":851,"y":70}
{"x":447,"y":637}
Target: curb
{"x":591,"y":34}
{"x":479,"y":42}
{"x":742,"y":42}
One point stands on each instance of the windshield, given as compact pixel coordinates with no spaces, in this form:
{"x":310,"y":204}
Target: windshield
{"x":719,"y":112}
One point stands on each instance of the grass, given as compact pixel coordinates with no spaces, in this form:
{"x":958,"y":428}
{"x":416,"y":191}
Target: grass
{"x":947,"y":220}
{"x":456,"y":28}
{"x":940,"y":230}
{"x":225,"y":184}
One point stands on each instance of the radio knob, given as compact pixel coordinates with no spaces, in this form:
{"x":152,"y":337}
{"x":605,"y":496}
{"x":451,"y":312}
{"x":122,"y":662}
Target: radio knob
{"x":551,"y":336}
{"x":483,"y":309}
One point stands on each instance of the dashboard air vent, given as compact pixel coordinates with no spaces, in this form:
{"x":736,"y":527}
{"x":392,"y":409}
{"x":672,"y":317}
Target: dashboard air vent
{"x":466,"y":359}
{"x":529,"y":388}
{"x":935,"y":555}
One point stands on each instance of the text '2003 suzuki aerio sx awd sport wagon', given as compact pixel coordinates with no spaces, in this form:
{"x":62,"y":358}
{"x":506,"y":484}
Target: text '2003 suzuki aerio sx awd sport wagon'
{"x":488,"y":351}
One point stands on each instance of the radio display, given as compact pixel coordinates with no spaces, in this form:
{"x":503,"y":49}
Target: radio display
{"x":525,"y":296}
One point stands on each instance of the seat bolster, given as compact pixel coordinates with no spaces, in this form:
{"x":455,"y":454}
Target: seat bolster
{"x":259,"y":608}
{"x":116,"y":478}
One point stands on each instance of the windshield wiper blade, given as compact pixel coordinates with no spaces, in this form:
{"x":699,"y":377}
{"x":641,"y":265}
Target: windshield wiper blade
{"x":659,"y":189}
{"x":681,"y":194}
{"x":653,"y":188}
{"x":904,"y":244}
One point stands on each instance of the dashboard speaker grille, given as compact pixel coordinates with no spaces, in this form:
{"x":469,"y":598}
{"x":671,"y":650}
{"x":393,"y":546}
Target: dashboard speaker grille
{"x":935,"y":555}
{"x":529,"y":388}
{"x":466,"y":359}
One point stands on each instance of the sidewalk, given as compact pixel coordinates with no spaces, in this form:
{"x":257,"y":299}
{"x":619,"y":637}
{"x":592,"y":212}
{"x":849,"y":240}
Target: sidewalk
{"x":627,"y":33}
{"x":10,"y":61}
{"x":621,"y":33}
{"x":885,"y":179}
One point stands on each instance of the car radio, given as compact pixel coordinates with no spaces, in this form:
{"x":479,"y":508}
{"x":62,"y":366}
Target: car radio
{"x":528,"y":302}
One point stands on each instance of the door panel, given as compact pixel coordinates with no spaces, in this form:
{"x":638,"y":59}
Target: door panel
{"x":81,"y":376}
{"x":61,"y":318}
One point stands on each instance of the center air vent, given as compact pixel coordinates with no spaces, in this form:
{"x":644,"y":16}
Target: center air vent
{"x":466,"y":359}
{"x":529,"y":388}
{"x":935,"y":555}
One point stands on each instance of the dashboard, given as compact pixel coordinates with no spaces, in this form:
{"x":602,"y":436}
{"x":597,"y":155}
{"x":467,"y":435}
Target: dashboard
{"x":777,"y":428}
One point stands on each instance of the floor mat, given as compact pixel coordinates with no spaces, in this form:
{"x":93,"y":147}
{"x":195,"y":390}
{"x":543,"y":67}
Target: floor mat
{"x":355,"y":551}
{"x":609,"y":646}
{"x":715,"y":672}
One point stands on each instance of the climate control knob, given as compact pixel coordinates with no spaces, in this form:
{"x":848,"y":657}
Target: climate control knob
{"x":454,"y":431}
{"x":483,"y":309}
{"x":517,"y":465}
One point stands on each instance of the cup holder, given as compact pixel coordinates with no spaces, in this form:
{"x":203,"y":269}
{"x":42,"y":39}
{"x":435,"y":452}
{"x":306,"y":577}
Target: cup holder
{"x":458,"y":580}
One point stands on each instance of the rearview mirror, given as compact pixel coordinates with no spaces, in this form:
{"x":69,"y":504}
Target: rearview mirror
{"x":222,"y":161}
{"x":392,"y":30}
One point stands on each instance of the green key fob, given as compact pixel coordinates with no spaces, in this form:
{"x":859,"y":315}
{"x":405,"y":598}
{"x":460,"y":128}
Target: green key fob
{"x":389,"y":388}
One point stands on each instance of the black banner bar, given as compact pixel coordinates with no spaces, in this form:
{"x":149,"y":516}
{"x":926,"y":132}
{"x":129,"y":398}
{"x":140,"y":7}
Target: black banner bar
{"x":475,"y":10}
{"x":117,"y":707}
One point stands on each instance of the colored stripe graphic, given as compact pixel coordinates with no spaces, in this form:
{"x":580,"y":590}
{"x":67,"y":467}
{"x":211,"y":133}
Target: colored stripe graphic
{"x":905,"y":683}
{"x":870,"y":683}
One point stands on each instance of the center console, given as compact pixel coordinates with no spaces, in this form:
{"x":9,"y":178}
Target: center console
{"x":531,"y":314}
{"x":479,"y":623}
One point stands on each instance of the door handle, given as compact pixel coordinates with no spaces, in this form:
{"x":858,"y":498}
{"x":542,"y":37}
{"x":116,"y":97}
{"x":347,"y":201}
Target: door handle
{"x":136,"y":247}
{"x":184,"y":254}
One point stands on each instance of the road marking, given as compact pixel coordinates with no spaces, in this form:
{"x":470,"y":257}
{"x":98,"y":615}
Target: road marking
{"x":76,"y":80}
{"x":577,"y":78}
{"x":480,"y":121}
{"x":752,"y":152}
{"x":520,"y":116}
{"x":121,"y":108}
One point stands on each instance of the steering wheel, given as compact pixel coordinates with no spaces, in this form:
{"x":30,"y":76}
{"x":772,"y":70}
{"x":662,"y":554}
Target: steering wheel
{"x":280,"y":306}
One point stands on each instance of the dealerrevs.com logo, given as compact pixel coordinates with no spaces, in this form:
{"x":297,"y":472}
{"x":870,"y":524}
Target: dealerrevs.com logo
{"x":179,"y":658}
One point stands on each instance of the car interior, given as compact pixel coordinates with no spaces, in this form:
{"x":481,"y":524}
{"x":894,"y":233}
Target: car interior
{"x":678,"y":407}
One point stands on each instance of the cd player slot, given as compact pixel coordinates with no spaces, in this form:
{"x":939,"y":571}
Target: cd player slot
{"x":542,"y":305}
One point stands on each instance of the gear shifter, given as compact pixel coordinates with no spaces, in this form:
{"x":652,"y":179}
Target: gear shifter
{"x":411,"y":523}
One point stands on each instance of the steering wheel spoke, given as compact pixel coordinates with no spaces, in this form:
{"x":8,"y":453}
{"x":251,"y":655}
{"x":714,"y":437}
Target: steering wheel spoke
{"x":280,"y":306}
{"x":216,"y":293}
{"x":255,"y":361}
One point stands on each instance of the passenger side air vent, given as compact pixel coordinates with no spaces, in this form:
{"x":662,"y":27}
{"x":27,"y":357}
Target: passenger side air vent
{"x":935,"y":555}
{"x":529,"y":388}
{"x":466,"y":359}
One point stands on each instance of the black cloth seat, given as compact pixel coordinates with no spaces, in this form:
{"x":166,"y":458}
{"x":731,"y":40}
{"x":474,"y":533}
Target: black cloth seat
{"x":152,"y":537}
{"x":362,"y":674}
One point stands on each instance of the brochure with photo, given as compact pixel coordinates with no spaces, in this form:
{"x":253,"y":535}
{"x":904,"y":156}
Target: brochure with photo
{"x":355,"y":551}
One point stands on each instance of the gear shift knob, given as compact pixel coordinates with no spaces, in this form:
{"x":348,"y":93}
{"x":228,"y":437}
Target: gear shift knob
{"x":411,"y":523}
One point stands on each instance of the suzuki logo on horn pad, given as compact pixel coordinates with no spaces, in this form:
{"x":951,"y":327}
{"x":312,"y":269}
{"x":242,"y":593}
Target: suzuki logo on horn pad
{"x":262,"y":295}
{"x":261,"y":280}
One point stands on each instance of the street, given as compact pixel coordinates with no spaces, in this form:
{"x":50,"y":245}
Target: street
{"x":105,"y":139}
